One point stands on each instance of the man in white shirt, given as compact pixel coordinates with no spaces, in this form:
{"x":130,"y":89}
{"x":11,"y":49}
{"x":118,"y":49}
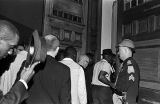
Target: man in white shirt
{"x":78,"y":86}
{"x":102,"y":93}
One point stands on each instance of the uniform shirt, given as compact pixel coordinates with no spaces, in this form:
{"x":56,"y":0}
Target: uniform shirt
{"x":78,"y":86}
{"x":128,"y":79}
{"x":102,"y":65}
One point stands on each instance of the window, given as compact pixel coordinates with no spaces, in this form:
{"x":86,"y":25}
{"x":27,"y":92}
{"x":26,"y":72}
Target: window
{"x":75,"y":18}
{"x":142,"y":25}
{"x":79,"y":19}
{"x":77,"y":1}
{"x":78,"y":36}
{"x":55,"y":12}
{"x":67,"y":16}
{"x":60,"y":13}
{"x":67,"y":35}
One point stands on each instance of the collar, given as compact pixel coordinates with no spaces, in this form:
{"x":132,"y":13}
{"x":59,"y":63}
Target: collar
{"x":50,"y":54}
{"x":68,"y":59}
{"x":104,"y":60}
{"x":125,"y":61}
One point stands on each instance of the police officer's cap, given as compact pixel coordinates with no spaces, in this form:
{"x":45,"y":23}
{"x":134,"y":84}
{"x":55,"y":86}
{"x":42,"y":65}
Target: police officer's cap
{"x":127,"y":43}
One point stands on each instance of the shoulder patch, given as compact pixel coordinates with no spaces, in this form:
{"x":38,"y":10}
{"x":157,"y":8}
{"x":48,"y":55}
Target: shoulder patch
{"x":130,"y":69}
{"x":131,"y":77}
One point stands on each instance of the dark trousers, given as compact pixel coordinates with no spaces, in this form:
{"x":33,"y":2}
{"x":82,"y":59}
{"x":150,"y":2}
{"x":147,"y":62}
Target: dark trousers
{"x":101,"y":95}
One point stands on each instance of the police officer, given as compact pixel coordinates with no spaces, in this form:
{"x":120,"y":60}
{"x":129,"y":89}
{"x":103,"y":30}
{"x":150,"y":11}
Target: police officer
{"x":128,"y":78}
{"x":127,"y":82}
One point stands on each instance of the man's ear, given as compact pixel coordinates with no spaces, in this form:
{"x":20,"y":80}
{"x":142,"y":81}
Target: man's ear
{"x":57,"y":49}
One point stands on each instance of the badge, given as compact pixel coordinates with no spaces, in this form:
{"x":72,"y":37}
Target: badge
{"x":130,"y":69}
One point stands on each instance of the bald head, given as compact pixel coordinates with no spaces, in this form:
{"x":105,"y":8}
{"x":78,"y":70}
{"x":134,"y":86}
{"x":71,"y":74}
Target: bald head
{"x":8,"y":37}
{"x":83,"y":60}
{"x":8,"y":32}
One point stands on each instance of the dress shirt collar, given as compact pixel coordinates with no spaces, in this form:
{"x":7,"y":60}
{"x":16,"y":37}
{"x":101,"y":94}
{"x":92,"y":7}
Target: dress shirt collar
{"x":50,"y":54}
{"x":104,"y":60}
{"x":68,"y":59}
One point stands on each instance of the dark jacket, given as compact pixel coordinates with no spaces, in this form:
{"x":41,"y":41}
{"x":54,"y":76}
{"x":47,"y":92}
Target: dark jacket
{"x":15,"y":95}
{"x":51,"y":85}
{"x":128,"y":81}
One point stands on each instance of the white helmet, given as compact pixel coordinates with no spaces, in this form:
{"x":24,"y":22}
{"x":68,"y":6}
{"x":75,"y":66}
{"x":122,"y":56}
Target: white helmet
{"x":127,"y":43}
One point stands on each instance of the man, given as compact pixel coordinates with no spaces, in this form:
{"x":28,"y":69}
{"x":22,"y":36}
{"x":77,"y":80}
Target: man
{"x":128,"y":78}
{"x":88,"y":76}
{"x":78,"y":87}
{"x":127,"y":83}
{"x":102,"y":93}
{"x":8,"y":39}
{"x":51,"y":85}
{"x":83,"y":61}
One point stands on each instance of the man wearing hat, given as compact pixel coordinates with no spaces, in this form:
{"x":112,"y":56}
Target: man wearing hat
{"x":127,"y":82}
{"x":102,"y":93}
{"x":128,"y":78}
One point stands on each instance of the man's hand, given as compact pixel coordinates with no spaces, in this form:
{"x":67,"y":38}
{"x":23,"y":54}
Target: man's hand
{"x":27,"y":73}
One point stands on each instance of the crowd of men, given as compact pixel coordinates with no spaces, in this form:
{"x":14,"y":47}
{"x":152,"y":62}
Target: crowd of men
{"x":68,"y":81}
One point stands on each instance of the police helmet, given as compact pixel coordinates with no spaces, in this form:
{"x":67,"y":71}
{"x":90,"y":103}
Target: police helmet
{"x":127,"y":43}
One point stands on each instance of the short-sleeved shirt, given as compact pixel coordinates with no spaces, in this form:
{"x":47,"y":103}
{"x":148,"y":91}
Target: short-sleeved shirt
{"x":102,"y":65}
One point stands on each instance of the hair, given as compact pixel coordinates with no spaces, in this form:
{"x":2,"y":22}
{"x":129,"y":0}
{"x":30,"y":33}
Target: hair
{"x":91,"y":57}
{"x":71,"y":52}
{"x":60,"y":55}
{"x":108,"y":57}
{"x":52,"y":42}
{"x":8,"y":32}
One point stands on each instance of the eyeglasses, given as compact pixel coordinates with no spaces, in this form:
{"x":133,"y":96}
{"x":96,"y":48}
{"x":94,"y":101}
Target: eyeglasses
{"x":11,"y":49}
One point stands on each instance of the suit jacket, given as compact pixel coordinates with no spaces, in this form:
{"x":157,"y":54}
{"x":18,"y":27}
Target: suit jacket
{"x":15,"y":95}
{"x":51,"y":85}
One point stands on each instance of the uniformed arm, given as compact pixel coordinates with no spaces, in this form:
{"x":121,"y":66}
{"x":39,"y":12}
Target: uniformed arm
{"x":65,"y":96}
{"x":82,"y":94}
{"x":103,"y":79}
{"x":132,"y":94}
{"x":132,"y":91}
